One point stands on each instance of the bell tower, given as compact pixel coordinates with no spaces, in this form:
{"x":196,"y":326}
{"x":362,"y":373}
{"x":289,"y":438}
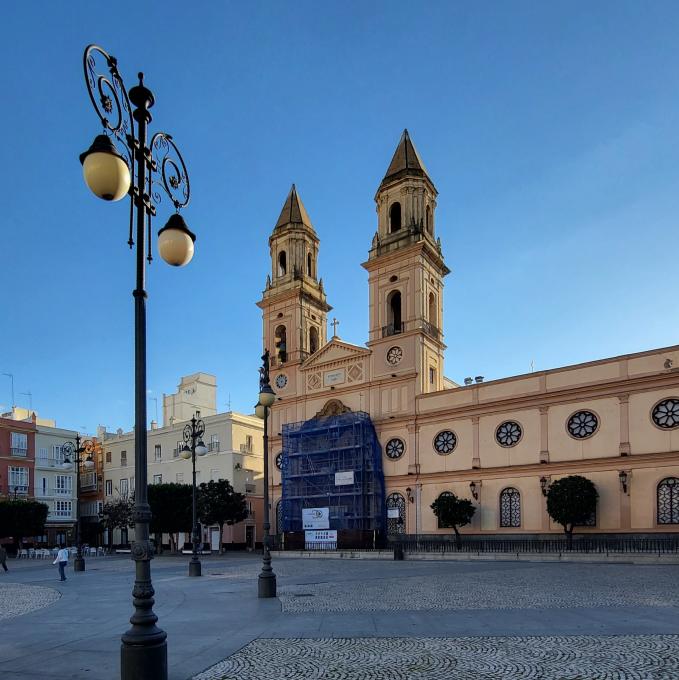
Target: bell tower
{"x":294,"y":306}
{"x":406,"y":271}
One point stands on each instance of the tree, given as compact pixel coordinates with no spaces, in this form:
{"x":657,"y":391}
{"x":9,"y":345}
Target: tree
{"x":218,"y":503}
{"x":171,"y":510}
{"x":117,"y":515}
{"x":453,"y":512}
{"x":570,"y":501}
{"x":22,"y":519}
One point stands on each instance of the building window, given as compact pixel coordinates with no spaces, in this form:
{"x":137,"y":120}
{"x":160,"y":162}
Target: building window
{"x":62,"y":508}
{"x":178,"y":450}
{"x":18,"y":479}
{"x":445,"y":442}
{"x":508,"y":433}
{"x":43,"y":454}
{"x":665,"y":414}
{"x":278,"y":461}
{"x":313,"y":339}
{"x":427,"y":220}
{"x":123,"y":488}
{"x":432,"y":375}
{"x":308,"y":264}
{"x":668,"y":501}
{"x":280,"y":341}
{"x":395,"y":322}
{"x":179,"y":478}
{"x":213,"y":446}
{"x":582,"y":424}
{"x":123,"y":458}
{"x":19,"y":444}
{"x":282,"y":263}
{"x":108,"y":456}
{"x":131,"y":484}
{"x":510,"y":507}
{"x":394,"y":448}
{"x":396,"y":513}
{"x":157,"y":479}
{"x":63,"y":485}
{"x":248,"y":443}
{"x":440,"y":524}
{"x":432,"y":310}
{"x":109,"y":487}
{"x":58,"y":454}
{"x":395,"y":217}
{"x":43,"y":485}
{"x":157,"y":452}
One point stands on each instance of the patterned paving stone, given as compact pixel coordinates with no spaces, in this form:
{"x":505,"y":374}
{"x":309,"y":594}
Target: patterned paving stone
{"x":17,"y":599}
{"x":647,"y":657}
{"x":524,"y":588}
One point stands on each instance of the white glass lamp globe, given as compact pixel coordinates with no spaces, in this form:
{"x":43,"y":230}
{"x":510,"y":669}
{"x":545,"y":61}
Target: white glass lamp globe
{"x":67,"y":465}
{"x":201,"y":449}
{"x":105,"y":170}
{"x":89,"y":463}
{"x":175,"y":242}
{"x":259,"y":411}
{"x":186,"y":452}
{"x":267,"y":396}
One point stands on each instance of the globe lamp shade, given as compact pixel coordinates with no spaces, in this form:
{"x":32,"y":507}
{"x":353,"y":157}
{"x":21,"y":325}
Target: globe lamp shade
{"x":259,"y":411}
{"x":266,"y":396}
{"x":105,"y":170}
{"x":67,"y":465}
{"x":186,"y":452}
{"x":201,"y":449}
{"x":175,"y":242}
{"x":89,"y":463}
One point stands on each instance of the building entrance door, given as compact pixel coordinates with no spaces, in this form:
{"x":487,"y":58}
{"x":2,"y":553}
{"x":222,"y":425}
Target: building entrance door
{"x":214,"y":539}
{"x":250,"y":537}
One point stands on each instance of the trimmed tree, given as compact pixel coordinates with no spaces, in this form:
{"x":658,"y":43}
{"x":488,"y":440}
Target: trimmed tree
{"x":453,"y":512}
{"x":218,"y":503}
{"x":22,"y":519}
{"x":171,"y":510}
{"x":571,"y":501}
{"x":117,"y":515}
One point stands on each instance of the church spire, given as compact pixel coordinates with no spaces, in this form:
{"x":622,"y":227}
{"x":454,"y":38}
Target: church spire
{"x":406,"y":162}
{"x":294,"y":212}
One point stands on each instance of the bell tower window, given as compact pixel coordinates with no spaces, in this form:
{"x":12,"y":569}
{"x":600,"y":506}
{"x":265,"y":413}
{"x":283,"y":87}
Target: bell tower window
{"x":394,"y":217}
{"x":308,"y":264}
{"x":427,"y":220}
{"x":281,"y":344}
{"x":432,"y":310}
{"x":394,"y":313}
{"x":282,"y":263}
{"x":313,"y":340}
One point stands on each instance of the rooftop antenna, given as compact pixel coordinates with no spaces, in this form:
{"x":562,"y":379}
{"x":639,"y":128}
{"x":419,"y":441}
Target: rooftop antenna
{"x":156,"y":401}
{"x":11,"y":377}
{"x":30,"y":401}
{"x":532,"y":365}
{"x":228,"y":403}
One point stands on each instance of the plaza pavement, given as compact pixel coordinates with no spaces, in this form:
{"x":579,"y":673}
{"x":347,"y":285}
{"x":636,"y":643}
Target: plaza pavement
{"x":353,"y":620}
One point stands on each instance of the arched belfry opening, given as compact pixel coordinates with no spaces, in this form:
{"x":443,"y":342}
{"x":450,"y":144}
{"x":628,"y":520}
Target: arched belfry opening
{"x":313,"y":339}
{"x":427,"y":220}
{"x":394,"y":317}
{"x":308,"y":265}
{"x":282,"y":263}
{"x":394,"y":217}
{"x":432,"y":310}
{"x":280,"y":341}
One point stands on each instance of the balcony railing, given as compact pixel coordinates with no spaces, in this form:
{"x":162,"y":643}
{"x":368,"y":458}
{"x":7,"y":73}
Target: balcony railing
{"x":20,"y":453}
{"x":88,"y":481}
{"x":246,"y":448}
{"x":19,"y":489}
{"x":213,"y":447}
{"x":58,"y":491}
{"x":250,"y":488}
{"x":63,"y":514}
{"x":393,"y":329}
{"x":431,"y":330}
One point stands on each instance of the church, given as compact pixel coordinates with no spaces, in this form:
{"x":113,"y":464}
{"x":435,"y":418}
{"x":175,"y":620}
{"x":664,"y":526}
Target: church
{"x":369,"y":436}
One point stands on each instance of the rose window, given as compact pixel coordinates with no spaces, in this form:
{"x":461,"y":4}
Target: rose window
{"x":583,"y":424}
{"x":395,"y":448}
{"x":666,"y":414}
{"x":508,"y":433}
{"x":444,"y":442}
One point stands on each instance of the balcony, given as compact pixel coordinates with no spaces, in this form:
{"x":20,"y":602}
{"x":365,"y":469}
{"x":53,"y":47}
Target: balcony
{"x":250,"y":488}
{"x":213,"y":447}
{"x":58,"y":491}
{"x":393,"y":329}
{"x":246,"y":448}
{"x":61,"y":514}
{"x":19,"y":453}
{"x":18,"y":489}
{"x":88,"y":481}
{"x":431,"y":330}
{"x":90,"y":508}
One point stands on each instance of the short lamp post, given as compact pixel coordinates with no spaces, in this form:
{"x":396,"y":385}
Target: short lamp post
{"x":72,"y":459}
{"x":123,"y":162}
{"x":194,"y":446}
{"x":266,"y":584}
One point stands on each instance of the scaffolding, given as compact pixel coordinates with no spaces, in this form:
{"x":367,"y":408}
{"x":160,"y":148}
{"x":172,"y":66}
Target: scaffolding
{"x":313,"y":452}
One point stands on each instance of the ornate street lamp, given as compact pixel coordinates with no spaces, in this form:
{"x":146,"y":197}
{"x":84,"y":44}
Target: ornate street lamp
{"x":267,"y":579}
{"x":194,"y":446}
{"x":140,"y":169}
{"x":72,"y":458}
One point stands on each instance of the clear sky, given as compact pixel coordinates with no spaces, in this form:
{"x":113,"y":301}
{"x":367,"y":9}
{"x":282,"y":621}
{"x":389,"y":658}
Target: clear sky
{"x":551,"y":131}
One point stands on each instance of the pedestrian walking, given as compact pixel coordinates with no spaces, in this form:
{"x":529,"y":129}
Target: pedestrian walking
{"x":3,"y":557}
{"x":62,"y":561}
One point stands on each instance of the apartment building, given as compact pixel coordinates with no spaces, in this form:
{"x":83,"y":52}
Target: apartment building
{"x":17,"y":456}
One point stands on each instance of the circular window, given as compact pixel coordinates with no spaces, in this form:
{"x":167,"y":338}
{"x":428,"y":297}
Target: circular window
{"x":395,"y":448}
{"x":281,"y":381}
{"x":279,"y":460}
{"x":582,"y":424}
{"x":394,"y":355}
{"x":665,"y":413}
{"x":445,"y":442}
{"x":508,"y":433}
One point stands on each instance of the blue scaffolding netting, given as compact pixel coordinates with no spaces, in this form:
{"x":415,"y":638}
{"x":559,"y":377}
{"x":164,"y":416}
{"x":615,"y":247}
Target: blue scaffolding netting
{"x":313,"y":452}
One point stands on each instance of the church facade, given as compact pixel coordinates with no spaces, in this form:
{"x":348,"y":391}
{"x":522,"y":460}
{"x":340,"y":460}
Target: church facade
{"x":499,"y":443}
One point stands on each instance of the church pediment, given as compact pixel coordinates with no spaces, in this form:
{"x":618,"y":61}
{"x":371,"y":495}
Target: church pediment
{"x":333,"y":352}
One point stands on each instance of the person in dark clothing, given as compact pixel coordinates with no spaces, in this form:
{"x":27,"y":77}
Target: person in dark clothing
{"x":3,"y":557}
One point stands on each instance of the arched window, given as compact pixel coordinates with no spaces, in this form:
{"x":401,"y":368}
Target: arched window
{"x":394,"y":217}
{"x":282,"y":263}
{"x":280,"y":340}
{"x":439,"y":524}
{"x":308,"y":264}
{"x":394,"y":313}
{"x":427,"y":220}
{"x":396,"y":513}
{"x":510,"y":507}
{"x":313,"y":339}
{"x":668,"y":501}
{"x":432,"y":310}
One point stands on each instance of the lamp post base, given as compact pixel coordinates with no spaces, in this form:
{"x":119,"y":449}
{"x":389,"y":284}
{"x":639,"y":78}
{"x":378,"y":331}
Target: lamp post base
{"x":143,"y":662}
{"x":266,"y":585}
{"x":78,"y":564}
{"x":194,"y":568}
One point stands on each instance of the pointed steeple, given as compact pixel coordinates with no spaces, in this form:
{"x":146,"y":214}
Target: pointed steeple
{"x":294,"y":212}
{"x":406,"y":161}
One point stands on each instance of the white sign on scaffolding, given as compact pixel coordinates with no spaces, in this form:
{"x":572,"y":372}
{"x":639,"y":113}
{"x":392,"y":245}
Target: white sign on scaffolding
{"x":321,"y":539}
{"x":315,"y":518}
{"x":344,"y":478}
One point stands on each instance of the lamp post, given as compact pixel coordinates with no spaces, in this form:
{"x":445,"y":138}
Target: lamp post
{"x":266,"y":584}
{"x":72,"y":458}
{"x":194,"y":446}
{"x":145,"y":169}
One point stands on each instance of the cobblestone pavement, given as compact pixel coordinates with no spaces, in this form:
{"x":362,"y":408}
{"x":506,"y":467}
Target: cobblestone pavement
{"x":17,"y":599}
{"x":626,"y":657}
{"x":525,"y":588}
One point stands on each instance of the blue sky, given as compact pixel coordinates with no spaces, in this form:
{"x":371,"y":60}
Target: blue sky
{"x":551,"y":131}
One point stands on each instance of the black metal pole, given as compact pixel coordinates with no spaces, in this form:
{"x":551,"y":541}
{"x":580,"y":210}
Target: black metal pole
{"x":267,"y":578}
{"x":194,"y":564}
{"x":78,"y":562}
{"x":143,"y":651}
